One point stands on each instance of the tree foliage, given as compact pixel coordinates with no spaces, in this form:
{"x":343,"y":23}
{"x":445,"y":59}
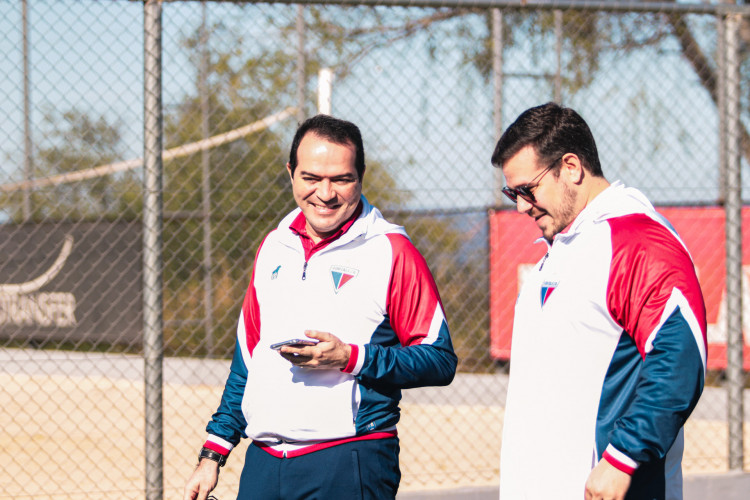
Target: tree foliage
{"x":588,"y":38}
{"x":249,"y":185}
{"x":237,"y":81}
{"x":74,"y":140}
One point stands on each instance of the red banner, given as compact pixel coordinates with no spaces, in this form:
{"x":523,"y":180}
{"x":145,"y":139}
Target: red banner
{"x":512,"y":252}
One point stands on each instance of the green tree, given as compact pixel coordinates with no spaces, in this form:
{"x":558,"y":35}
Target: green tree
{"x":249,"y":185}
{"x":588,"y":38}
{"x":73,"y":141}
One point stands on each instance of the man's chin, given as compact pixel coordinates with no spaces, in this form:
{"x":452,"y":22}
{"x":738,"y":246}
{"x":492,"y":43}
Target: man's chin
{"x":548,"y":231}
{"x":325,"y":228}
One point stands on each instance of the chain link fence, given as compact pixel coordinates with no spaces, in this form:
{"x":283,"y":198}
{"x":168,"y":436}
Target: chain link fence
{"x":103,"y":396}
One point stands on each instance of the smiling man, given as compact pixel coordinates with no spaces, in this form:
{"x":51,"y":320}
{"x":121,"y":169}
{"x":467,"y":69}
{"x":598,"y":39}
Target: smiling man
{"x":341,"y":314}
{"x":608,"y":351}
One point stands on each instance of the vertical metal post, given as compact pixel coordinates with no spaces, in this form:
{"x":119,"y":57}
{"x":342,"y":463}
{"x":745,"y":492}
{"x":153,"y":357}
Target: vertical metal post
{"x":28,"y":172}
{"x":497,"y":95}
{"x":721,"y":106}
{"x":153,"y":342}
{"x":208,"y":299}
{"x":558,"y":55}
{"x":733,"y":208}
{"x":301,"y":63}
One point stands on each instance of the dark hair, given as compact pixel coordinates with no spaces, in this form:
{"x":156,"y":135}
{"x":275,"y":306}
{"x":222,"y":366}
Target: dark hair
{"x":552,"y":130}
{"x":333,"y":130}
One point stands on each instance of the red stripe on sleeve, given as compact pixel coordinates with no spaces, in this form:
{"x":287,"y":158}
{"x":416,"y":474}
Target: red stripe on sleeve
{"x":352,"y":359}
{"x":413,"y":294}
{"x":617,"y":464}
{"x":648,"y":262}
{"x":215,"y":447}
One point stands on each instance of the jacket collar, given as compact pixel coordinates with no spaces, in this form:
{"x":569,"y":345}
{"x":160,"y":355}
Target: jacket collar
{"x":615,"y":201}
{"x":370,"y":222}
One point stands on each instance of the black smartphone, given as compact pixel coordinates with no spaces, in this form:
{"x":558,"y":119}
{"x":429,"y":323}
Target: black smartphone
{"x":294,"y":343}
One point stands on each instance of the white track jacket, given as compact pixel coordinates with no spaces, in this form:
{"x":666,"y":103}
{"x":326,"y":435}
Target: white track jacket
{"x":608,"y":356}
{"x":373,"y":290}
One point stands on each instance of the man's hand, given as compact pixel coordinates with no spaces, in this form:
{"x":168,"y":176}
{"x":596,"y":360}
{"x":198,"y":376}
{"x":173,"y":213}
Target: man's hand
{"x":329,"y":353}
{"x":606,"y":483}
{"x":203,"y":481}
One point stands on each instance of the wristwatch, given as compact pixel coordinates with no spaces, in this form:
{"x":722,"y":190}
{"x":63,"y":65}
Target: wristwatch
{"x":212,"y":455}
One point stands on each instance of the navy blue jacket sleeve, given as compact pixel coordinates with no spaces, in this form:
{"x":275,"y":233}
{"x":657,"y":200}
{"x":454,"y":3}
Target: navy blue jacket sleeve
{"x":228,"y":422}
{"x":412,"y":347}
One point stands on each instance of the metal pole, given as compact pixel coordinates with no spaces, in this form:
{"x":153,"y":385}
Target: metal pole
{"x":28,"y":168}
{"x":497,"y":95}
{"x":208,"y":299}
{"x":733,"y":208}
{"x":301,"y":64}
{"x":153,"y":348}
{"x":325,"y":82}
{"x":558,"y":55}
{"x":721,"y":106}
{"x":585,"y":5}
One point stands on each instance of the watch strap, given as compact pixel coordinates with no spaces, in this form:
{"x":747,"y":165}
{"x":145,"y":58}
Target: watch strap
{"x":212,"y":455}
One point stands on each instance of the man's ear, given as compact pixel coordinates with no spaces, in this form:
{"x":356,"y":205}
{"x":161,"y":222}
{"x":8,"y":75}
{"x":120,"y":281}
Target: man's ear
{"x":289,"y":169}
{"x":572,"y":168}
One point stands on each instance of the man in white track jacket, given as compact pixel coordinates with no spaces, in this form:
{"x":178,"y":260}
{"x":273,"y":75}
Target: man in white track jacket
{"x":608,"y":351}
{"x":322,"y":418}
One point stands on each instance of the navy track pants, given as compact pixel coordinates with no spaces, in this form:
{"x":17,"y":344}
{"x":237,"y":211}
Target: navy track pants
{"x":366,"y":470}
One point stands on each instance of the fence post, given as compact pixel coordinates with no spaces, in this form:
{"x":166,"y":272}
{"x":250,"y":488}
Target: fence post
{"x":558,"y":55}
{"x":735,"y":378}
{"x":28,"y":169}
{"x":153,"y":342}
{"x":497,"y":95}
{"x":208,"y":297}
{"x":721,"y":88}
{"x":301,"y":63}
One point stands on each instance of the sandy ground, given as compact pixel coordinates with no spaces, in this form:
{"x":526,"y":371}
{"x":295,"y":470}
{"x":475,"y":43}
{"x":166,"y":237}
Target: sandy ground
{"x":76,"y":437}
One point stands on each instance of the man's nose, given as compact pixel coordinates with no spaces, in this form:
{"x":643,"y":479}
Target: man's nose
{"x":522,"y":205}
{"x":325,"y":190}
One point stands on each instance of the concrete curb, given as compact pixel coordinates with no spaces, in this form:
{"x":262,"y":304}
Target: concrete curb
{"x":726,"y":486}
{"x":468,"y":493}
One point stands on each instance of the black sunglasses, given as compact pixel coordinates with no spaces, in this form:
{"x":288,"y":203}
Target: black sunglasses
{"x":525,"y":191}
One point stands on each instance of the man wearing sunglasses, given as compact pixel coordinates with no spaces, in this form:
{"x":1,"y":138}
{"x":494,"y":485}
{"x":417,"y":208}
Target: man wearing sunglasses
{"x":608,"y":353}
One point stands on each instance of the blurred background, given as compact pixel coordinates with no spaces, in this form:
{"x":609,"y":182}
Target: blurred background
{"x":142,"y":160}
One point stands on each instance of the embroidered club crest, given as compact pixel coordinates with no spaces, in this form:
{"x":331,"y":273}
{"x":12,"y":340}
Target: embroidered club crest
{"x":341,"y":276}
{"x":547,"y":288}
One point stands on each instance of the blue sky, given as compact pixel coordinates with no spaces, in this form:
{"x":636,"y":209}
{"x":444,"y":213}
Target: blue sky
{"x":429,"y":119}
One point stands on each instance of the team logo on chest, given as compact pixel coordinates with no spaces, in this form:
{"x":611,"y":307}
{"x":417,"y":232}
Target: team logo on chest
{"x":547,"y":288}
{"x":341,"y":276}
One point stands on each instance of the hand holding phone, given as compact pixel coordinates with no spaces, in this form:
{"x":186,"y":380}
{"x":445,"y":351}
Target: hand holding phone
{"x":294,"y":343}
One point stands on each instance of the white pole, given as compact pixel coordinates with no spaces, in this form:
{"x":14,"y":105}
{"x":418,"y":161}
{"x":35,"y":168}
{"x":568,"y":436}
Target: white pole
{"x":325,"y":83}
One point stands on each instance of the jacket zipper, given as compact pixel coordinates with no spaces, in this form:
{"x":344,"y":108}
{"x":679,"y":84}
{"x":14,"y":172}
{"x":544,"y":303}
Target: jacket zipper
{"x":540,"y":265}
{"x":304,"y":271}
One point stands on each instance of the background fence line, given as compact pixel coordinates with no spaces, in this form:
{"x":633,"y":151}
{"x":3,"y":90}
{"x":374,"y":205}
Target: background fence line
{"x":112,"y":367}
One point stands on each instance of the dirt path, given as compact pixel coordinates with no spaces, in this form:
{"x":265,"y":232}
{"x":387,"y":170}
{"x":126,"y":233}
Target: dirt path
{"x":83,"y":437}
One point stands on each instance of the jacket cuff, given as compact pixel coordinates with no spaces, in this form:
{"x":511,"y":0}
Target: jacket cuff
{"x":356,"y":360}
{"x":217,"y":444}
{"x":619,"y":460}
